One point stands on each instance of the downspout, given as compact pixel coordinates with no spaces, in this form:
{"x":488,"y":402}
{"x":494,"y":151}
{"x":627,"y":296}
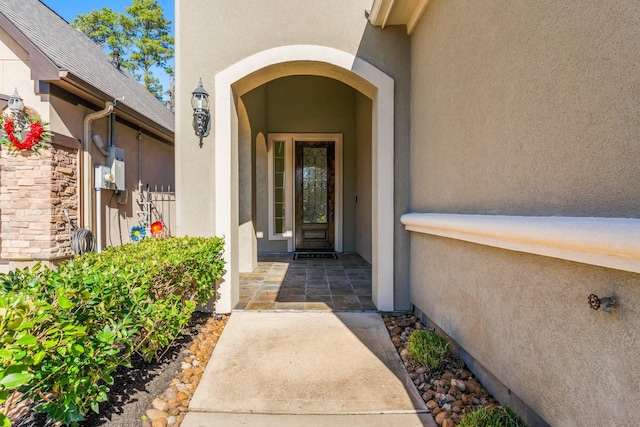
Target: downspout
{"x":87,"y":174}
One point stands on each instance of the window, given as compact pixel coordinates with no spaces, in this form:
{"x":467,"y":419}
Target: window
{"x":280,"y":171}
{"x":279,"y":175}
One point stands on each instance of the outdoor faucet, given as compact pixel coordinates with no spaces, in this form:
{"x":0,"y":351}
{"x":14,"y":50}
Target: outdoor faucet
{"x":606,"y":303}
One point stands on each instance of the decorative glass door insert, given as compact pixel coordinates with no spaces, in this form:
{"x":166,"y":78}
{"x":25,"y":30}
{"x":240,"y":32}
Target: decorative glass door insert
{"x":315,"y":177}
{"x":314,"y":185}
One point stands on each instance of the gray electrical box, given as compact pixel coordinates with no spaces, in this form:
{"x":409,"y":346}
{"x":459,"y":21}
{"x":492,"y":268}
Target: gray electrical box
{"x":115,"y":163}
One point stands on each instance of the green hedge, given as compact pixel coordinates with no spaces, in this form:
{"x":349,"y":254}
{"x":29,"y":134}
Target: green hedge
{"x":64,"y":332}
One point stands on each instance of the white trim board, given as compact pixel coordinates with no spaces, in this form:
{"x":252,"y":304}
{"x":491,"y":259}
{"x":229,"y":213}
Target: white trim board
{"x":606,"y":242}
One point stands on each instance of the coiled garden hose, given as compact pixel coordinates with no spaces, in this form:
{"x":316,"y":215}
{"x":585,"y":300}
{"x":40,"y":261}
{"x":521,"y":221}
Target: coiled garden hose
{"x":81,"y":239}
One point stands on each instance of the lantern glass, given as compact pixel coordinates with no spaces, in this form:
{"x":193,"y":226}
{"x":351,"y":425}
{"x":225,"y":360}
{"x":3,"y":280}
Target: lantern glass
{"x":15,"y":101}
{"x":196,"y":102}
{"x":200,"y":98}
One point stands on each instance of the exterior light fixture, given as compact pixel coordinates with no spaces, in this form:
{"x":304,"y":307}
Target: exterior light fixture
{"x":16,"y":107}
{"x":116,"y":57}
{"x":16,"y":104}
{"x":201,"y":117}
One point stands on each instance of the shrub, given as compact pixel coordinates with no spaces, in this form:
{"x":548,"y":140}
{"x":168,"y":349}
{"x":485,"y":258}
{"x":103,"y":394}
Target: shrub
{"x":64,"y":332}
{"x":492,"y":416}
{"x":427,"y":348}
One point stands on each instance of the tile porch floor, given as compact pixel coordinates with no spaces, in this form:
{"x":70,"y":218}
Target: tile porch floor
{"x":282,"y":283}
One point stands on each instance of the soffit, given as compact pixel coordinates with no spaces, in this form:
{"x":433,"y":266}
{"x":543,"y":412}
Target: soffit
{"x":397,"y":12}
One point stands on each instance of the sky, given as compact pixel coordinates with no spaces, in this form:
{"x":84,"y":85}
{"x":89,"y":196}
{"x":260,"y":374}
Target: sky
{"x":69,"y":9}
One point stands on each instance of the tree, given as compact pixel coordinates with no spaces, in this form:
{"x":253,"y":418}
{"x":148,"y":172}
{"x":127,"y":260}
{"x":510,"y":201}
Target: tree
{"x":104,"y":27}
{"x":152,"y":44}
{"x":141,"y":35}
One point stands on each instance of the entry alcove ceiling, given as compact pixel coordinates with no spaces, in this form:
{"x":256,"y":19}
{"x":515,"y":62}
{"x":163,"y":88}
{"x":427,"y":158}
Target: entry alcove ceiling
{"x":301,"y":68}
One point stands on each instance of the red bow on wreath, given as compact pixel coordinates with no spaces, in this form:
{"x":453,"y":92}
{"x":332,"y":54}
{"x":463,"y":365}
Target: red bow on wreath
{"x":35,"y":137}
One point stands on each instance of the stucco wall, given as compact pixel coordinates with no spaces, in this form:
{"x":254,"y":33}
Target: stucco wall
{"x":265,"y":25}
{"x":253,"y":165}
{"x":156,"y":166}
{"x":363,"y":177}
{"x":246,"y":185}
{"x":16,"y":74}
{"x":526,"y":319}
{"x":530,"y":109}
{"x":527,"y":109}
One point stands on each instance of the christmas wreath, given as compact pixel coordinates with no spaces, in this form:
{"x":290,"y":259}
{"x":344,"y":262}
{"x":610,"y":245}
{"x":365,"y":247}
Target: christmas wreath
{"x":35,"y":136}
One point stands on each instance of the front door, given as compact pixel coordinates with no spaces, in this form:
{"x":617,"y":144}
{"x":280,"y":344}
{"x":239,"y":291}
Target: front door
{"x":315,"y":194}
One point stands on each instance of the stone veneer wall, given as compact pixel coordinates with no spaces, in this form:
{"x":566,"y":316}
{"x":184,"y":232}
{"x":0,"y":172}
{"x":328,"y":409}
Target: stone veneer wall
{"x":35,"y":189}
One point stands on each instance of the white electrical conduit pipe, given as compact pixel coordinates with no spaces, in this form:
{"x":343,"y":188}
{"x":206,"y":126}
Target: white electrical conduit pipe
{"x":98,"y":220}
{"x":86,"y":178}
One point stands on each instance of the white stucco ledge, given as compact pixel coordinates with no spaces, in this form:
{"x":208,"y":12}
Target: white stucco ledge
{"x":606,"y":242}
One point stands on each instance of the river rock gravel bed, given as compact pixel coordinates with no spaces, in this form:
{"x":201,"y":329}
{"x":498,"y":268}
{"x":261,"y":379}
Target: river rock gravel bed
{"x":170,"y":407}
{"x":450,"y":391}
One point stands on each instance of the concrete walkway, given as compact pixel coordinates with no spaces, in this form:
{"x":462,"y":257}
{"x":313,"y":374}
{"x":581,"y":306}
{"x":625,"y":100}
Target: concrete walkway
{"x":306,"y":369}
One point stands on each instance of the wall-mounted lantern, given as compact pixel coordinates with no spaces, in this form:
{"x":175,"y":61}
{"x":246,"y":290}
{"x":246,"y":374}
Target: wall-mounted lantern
{"x":22,"y":129}
{"x":16,"y":108}
{"x":201,"y":117}
{"x":15,"y":102}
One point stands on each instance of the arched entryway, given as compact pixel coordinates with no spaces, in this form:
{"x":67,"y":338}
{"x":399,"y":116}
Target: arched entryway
{"x":307,"y":60}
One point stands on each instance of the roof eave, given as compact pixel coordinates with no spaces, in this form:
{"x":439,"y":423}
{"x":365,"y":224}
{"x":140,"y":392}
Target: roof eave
{"x":95,"y":95}
{"x":390,"y":12}
{"x":42,"y":67}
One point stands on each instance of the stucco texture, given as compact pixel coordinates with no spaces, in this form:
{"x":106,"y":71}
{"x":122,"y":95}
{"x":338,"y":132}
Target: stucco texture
{"x":530,"y":108}
{"x":234,"y":31}
{"x":15,"y":74}
{"x":526,"y":319}
{"x":155,"y":167}
{"x":214,"y":35}
{"x":526,"y":108}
